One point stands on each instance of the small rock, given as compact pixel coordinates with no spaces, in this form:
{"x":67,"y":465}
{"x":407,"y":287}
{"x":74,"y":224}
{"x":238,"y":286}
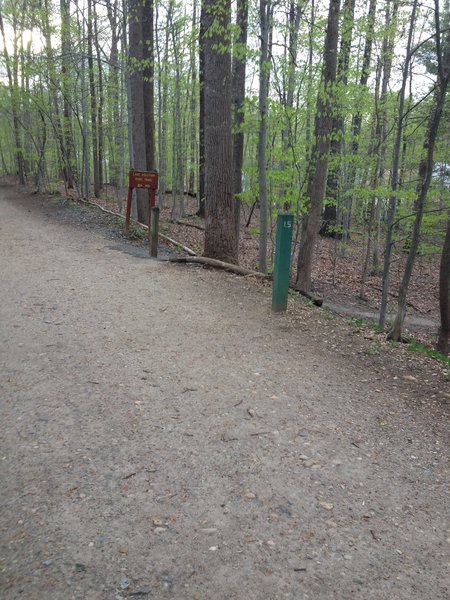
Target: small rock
{"x":409,"y":378}
{"x":168,"y":581}
{"x":124,"y":582}
{"x":326,"y":505}
{"x":303,"y":457}
{"x":226,"y":510}
{"x":159,"y":530}
{"x":348,"y":557}
{"x":143,"y":591}
{"x":47,"y":562}
{"x":285,"y":509}
{"x":251,"y":412}
{"x":249,"y":495}
{"x":44,"y":418}
{"x":158,"y":522}
{"x":270,"y":543}
{"x":213,"y":548}
{"x":80,"y":568}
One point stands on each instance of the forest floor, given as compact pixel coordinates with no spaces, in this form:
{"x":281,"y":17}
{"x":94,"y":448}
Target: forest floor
{"x":165,"y":436}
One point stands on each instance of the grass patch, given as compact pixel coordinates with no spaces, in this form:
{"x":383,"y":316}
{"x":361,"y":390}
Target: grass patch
{"x":364,"y":323}
{"x":419,"y":348}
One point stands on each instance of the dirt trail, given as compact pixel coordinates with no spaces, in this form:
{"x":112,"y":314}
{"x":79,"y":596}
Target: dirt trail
{"x":164,"y":435}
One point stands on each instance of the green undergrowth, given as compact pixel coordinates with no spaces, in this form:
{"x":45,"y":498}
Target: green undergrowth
{"x":363,"y":323}
{"x":414,"y":346}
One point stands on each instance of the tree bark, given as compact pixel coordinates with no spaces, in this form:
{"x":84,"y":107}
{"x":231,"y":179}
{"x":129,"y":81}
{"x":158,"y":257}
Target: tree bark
{"x":220,"y":234}
{"x":238,"y":97}
{"x":425,"y":173}
{"x":395,"y":171}
{"x":444,"y":295}
{"x":201,"y":131}
{"x":93,"y":95}
{"x":139,"y":122}
{"x":13,"y":90}
{"x":317,"y":180}
{"x":334,"y":183}
{"x":265,"y":13}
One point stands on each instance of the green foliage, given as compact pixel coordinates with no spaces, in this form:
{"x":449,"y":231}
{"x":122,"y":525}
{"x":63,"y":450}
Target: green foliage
{"x":419,"y":348}
{"x":364,"y":323}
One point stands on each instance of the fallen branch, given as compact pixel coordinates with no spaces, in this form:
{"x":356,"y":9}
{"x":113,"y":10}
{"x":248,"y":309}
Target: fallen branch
{"x":161,"y":235}
{"x":185,"y":224}
{"x":108,"y":212}
{"x":219,"y":264}
{"x":316,"y":300}
{"x":175,"y":243}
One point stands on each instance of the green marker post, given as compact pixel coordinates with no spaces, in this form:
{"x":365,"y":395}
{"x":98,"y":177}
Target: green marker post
{"x":282,"y":264}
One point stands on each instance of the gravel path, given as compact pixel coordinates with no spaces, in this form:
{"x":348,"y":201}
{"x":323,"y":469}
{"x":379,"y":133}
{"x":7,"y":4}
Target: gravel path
{"x":164,"y":436}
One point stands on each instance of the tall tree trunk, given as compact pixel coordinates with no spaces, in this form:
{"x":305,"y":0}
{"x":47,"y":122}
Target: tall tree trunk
{"x":93,"y":97}
{"x":139,"y":160}
{"x":14,"y":94}
{"x":238,"y":97}
{"x":67,"y":85}
{"x":220,"y":233}
{"x":265,"y":15}
{"x":444,"y":295}
{"x":201,"y":131}
{"x":296,"y":9}
{"x":395,"y":170}
{"x":148,"y":83}
{"x":193,"y":101}
{"x":114,"y":86}
{"x":162,"y":121}
{"x":334,"y":183}
{"x":101,"y":103}
{"x":365,"y":72}
{"x":425,"y":173}
{"x":318,"y":177}
{"x":177,"y":129}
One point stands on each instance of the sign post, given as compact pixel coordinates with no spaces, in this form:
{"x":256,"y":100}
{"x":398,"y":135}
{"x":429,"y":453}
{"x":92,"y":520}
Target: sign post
{"x":282,"y":264}
{"x":147,"y":180}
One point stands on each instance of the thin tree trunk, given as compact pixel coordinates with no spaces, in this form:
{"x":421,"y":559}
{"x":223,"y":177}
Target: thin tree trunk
{"x":444,"y":295}
{"x":238,"y":97}
{"x":425,"y":173}
{"x":334,"y":179}
{"x":101,"y":103}
{"x":265,"y":12}
{"x":193,"y":109}
{"x":365,"y":72}
{"x":13,"y":90}
{"x":93,"y":98}
{"x":395,"y":170}
{"x":201,"y":149}
{"x":318,"y":176}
